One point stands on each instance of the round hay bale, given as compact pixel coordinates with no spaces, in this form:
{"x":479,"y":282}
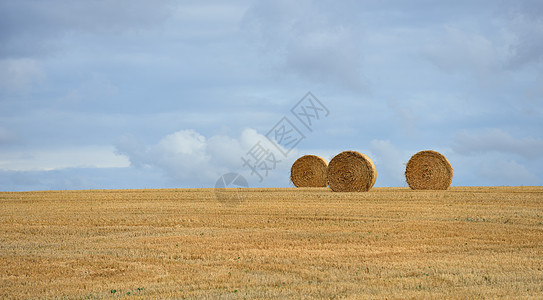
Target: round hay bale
{"x":309,"y":171}
{"x":428,"y":170}
{"x":351,"y":171}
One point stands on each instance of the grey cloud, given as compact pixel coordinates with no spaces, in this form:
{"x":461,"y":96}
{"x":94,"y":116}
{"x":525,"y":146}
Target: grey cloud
{"x":92,"y":16}
{"x":496,"y":140}
{"x":303,"y":39}
{"x":527,"y":30}
{"x":458,"y":50}
{"x":135,"y":67}
{"x":535,"y":93}
{"x":327,"y":56}
{"x":29,"y":28}
{"x":513,"y":39}
{"x":405,"y":116}
{"x":135,"y":150}
{"x":530,"y":7}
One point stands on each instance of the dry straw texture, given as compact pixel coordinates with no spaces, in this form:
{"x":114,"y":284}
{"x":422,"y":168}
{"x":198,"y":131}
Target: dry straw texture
{"x":278,"y":244}
{"x":428,"y":170}
{"x":351,"y":171}
{"x":309,"y":171}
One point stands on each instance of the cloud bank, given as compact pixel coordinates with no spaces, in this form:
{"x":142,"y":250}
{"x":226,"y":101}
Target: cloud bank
{"x":187,"y":158}
{"x":135,"y":94}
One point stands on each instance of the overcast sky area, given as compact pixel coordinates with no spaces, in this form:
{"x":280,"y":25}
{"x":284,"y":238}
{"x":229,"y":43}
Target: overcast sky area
{"x":162,"y":94}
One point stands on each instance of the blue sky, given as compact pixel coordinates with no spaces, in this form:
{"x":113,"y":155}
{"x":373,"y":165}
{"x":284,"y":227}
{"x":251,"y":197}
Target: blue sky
{"x":160,"y":94}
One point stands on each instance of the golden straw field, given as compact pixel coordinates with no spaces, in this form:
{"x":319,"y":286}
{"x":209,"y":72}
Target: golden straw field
{"x":464,"y":242}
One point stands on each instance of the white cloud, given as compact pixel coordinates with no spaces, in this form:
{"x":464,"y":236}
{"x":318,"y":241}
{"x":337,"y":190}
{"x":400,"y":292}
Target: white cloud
{"x":80,"y":178}
{"x":508,"y":172}
{"x":188,"y":158}
{"x":55,"y":159}
{"x":497,"y":140}
{"x":19,"y":74}
{"x":187,"y":142}
{"x":390,"y":163}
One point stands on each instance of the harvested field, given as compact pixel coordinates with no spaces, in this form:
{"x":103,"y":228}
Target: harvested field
{"x":464,"y":242}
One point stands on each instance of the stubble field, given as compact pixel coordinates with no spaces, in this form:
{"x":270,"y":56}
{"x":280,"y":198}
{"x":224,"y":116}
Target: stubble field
{"x":466,"y":242}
